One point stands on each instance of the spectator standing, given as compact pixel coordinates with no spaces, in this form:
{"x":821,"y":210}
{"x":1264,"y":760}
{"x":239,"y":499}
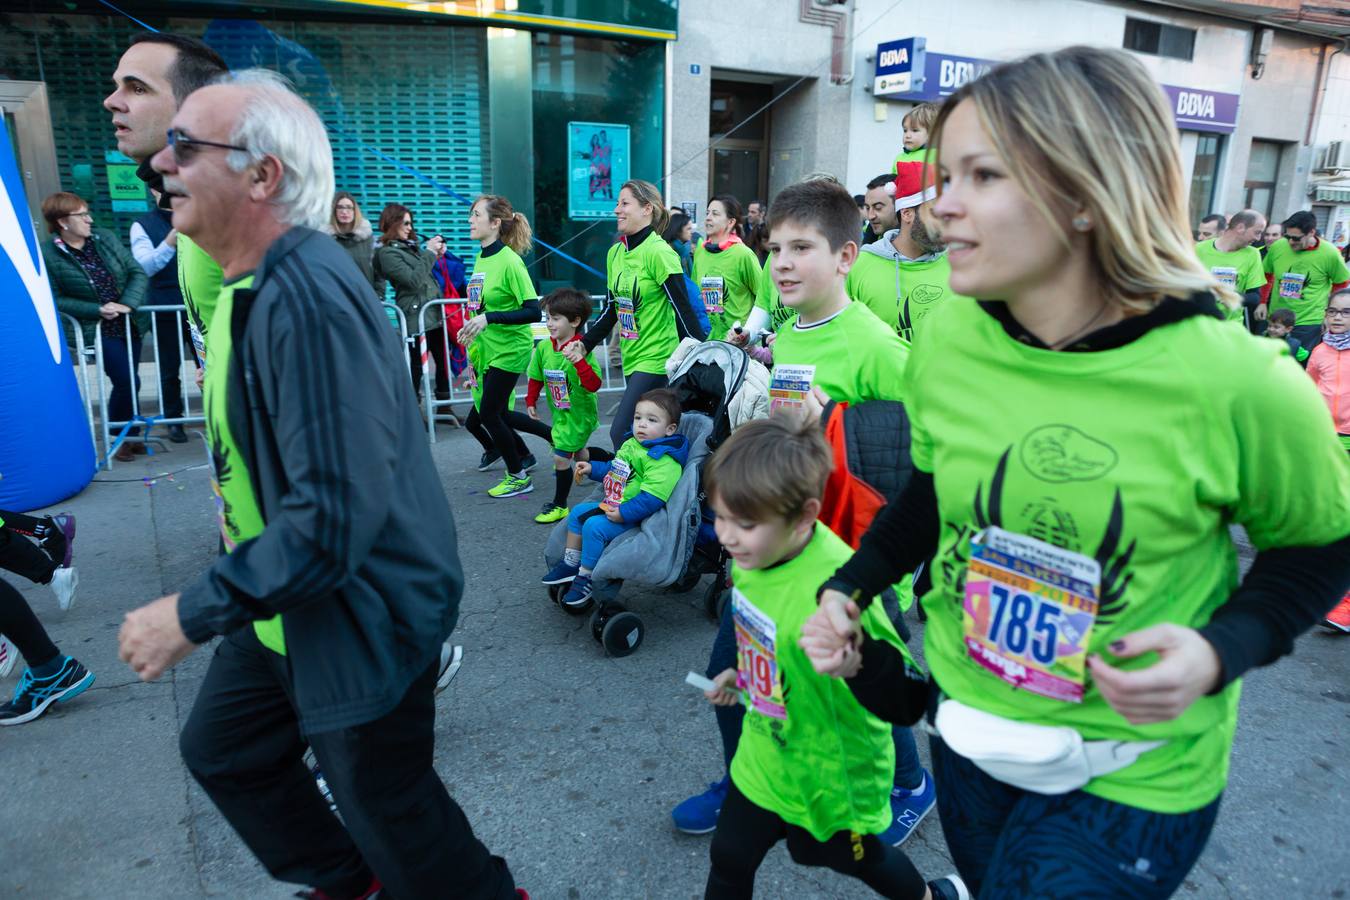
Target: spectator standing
{"x":353,"y":233}
{"x":680,"y":235}
{"x":407,"y":268}
{"x":96,"y":280}
{"x":154,"y":243}
{"x":756,"y":234}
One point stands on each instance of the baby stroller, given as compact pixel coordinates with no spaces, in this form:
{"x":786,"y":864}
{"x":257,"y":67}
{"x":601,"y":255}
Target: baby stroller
{"x":675,"y":546}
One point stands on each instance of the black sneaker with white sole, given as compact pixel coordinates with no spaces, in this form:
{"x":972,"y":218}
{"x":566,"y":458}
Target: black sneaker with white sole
{"x":489,"y":459}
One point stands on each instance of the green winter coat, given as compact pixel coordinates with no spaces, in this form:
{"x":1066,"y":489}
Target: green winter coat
{"x":74,"y":292}
{"x":408,"y":270}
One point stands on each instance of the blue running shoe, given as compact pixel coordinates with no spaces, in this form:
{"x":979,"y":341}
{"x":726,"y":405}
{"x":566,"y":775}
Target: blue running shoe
{"x":34,"y":695}
{"x":908,"y":809}
{"x":698,"y":814}
{"x":561,"y":573}
{"x":579,"y":594}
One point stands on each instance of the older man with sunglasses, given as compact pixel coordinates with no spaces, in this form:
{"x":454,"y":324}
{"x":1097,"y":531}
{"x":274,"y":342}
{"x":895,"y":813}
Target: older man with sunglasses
{"x":341,"y":578}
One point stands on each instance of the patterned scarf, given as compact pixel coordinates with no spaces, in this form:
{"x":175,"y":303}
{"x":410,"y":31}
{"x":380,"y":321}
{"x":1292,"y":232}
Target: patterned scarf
{"x":1337,"y":341}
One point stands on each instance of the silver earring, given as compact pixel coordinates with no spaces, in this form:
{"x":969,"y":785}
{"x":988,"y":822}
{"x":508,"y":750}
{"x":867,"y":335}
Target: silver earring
{"x":1081,"y":223}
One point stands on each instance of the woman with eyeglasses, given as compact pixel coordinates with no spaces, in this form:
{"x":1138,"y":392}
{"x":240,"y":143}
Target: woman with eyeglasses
{"x":407,"y":268}
{"x":353,"y":233}
{"x":95,"y":279}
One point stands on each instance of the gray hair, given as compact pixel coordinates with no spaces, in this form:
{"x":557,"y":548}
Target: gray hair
{"x":276,"y":121}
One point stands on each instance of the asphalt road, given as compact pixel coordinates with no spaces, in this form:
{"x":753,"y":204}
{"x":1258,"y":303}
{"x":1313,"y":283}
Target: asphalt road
{"x":567,"y":762}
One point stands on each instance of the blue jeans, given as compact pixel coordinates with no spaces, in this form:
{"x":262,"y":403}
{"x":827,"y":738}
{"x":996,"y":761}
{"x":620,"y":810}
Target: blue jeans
{"x":123,"y":372}
{"x":1009,"y":843}
{"x":596,"y":531}
{"x":908,"y":770}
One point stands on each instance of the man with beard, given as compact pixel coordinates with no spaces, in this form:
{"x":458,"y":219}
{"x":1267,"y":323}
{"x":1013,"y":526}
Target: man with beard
{"x":903,"y":276}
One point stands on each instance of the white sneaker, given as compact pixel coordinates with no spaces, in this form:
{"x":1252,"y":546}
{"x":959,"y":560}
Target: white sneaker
{"x":9,"y":654}
{"x":64,"y":582}
{"x":452,"y":657}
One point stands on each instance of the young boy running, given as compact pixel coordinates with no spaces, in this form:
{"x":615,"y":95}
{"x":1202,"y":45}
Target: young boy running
{"x":812,"y":767}
{"x":571,"y":393}
{"x":1280,"y":327}
{"x":638,"y":481}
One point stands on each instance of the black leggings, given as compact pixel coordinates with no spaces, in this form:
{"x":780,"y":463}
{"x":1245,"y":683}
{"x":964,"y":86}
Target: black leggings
{"x":23,"y":557}
{"x":497,"y":389}
{"x":639,"y":383}
{"x":474,"y":424}
{"x":746,"y":833}
{"x":18,"y":623}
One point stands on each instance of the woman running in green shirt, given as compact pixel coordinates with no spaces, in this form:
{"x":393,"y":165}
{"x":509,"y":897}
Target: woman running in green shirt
{"x":725,"y":269}
{"x":1077,"y":465}
{"x":501,"y":307}
{"x":646,"y":299}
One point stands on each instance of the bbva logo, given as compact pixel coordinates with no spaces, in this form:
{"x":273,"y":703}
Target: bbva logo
{"x":1195,"y":106}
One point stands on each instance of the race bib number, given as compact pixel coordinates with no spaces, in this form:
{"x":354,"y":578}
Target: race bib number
{"x":539,"y":330}
{"x":1291,"y":285}
{"x":1028,"y":612}
{"x":616,"y":481}
{"x":628,"y":328}
{"x":475,"y":293}
{"x":556,"y":379}
{"x":1225,"y":275}
{"x":757,"y":674}
{"x":712,"y":290}
{"x":790,"y":386}
{"x":198,"y":344}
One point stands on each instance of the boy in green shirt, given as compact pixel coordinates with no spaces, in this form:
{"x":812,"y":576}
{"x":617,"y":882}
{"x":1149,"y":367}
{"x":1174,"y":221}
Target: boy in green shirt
{"x":638,"y":481}
{"x":1304,"y":270}
{"x":571,"y":394}
{"x":812,"y":766}
{"x":1280,"y":327}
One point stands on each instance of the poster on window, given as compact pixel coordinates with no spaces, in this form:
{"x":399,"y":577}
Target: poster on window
{"x":597,"y":153}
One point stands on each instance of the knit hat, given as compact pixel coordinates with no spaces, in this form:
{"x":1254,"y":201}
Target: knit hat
{"x":915,"y":183}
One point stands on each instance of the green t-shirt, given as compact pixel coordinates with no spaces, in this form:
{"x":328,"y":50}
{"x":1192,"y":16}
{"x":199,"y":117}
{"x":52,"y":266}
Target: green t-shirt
{"x":900,"y":291}
{"x":475,"y":357}
{"x":199,"y":281}
{"x":768,"y":299}
{"x":1303,"y":279}
{"x":646,"y":320}
{"x":633,"y":471}
{"x":727,"y":280}
{"x":236,"y":503}
{"x":852,"y":356}
{"x":574,"y":408}
{"x":499,"y":283}
{"x":809,"y":752}
{"x":1136,"y":457}
{"x":1238,"y":270}
{"x":875,"y":282}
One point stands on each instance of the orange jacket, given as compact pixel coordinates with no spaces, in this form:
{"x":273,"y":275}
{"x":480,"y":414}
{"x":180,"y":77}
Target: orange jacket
{"x":1330,"y":371}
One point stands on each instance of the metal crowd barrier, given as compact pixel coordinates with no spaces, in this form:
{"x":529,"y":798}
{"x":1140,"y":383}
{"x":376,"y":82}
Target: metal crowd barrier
{"x":115,"y":432}
{"x":431,"y":404}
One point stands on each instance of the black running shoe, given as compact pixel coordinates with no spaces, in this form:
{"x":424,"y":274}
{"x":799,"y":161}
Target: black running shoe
{"x":488,"y":460}
{"x":34,"y":695}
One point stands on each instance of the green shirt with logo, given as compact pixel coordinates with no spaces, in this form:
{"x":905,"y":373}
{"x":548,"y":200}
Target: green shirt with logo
{"x":501,"y":284}
{"x":727,"y":280}
{"x":899,"y":290}
{"x":809,"y":752}
{"x":856,"y":356}
{"x":1238,"y":270}
{"x":1136,"y":457}
{"x":646,"y":320}
{"x":575,"y":413}
{"x":236,"y":503}
{"x":657,"y":477}
{"x":1303,"y":279}
{"x":199,"y":281}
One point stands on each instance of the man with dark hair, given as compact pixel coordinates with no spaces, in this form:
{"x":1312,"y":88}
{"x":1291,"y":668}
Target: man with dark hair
{"x":879,"y":209}
{"x":1304,"y":271}
{"x":1210,"y":226}
{"x":152,"y":78}
{"x":755,"y":233}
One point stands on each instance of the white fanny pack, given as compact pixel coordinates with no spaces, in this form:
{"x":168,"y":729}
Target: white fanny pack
{"x":1041,"y":758}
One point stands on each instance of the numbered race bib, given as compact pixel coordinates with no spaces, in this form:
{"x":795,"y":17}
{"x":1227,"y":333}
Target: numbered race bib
{"x":475,"y":293}
{"x":628,"y":329}
{"x":712,"y":290}
{"x":198,"y":344}
{"x":616,"y":480}
{"x":1225,"y":275}
{"x":539,"y":330}
{"x":1028,"y":612}
{"x":757,"y":659}
{"x":790,"y":386}
{"x":556,"y":379}
{"x":1291,"y":285}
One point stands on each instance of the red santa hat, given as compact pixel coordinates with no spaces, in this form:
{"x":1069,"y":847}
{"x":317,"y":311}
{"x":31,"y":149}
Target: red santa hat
{"x":915,"y":183}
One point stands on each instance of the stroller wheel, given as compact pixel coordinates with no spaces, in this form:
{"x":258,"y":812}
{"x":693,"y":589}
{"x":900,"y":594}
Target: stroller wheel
{"x":555,"y":593}
{"x":622,"y":634}
{"x":714,"y":599}
{"x":598,"y":619}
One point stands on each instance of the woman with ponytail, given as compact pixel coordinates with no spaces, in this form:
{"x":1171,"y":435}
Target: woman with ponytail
{"x":502,"y":305}
{"x":726,"y":270}
{"x":647,"y":300}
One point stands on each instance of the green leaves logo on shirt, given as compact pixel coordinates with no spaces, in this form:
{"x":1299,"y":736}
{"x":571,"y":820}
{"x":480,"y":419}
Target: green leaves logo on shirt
{"x":1046,"y":520}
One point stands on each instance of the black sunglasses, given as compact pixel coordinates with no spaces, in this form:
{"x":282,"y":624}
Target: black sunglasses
{"x":185,"y":149}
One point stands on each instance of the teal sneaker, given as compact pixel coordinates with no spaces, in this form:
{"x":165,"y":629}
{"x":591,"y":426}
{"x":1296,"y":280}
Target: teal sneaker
{"x":34,"y":695}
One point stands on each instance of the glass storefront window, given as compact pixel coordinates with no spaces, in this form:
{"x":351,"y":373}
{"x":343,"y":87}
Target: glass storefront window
{"x":1263,"y":172}
{"x":1204,"y":176}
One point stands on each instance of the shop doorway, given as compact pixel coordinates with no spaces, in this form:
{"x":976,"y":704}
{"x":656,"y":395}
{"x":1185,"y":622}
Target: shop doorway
{"x":739,"y":163}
